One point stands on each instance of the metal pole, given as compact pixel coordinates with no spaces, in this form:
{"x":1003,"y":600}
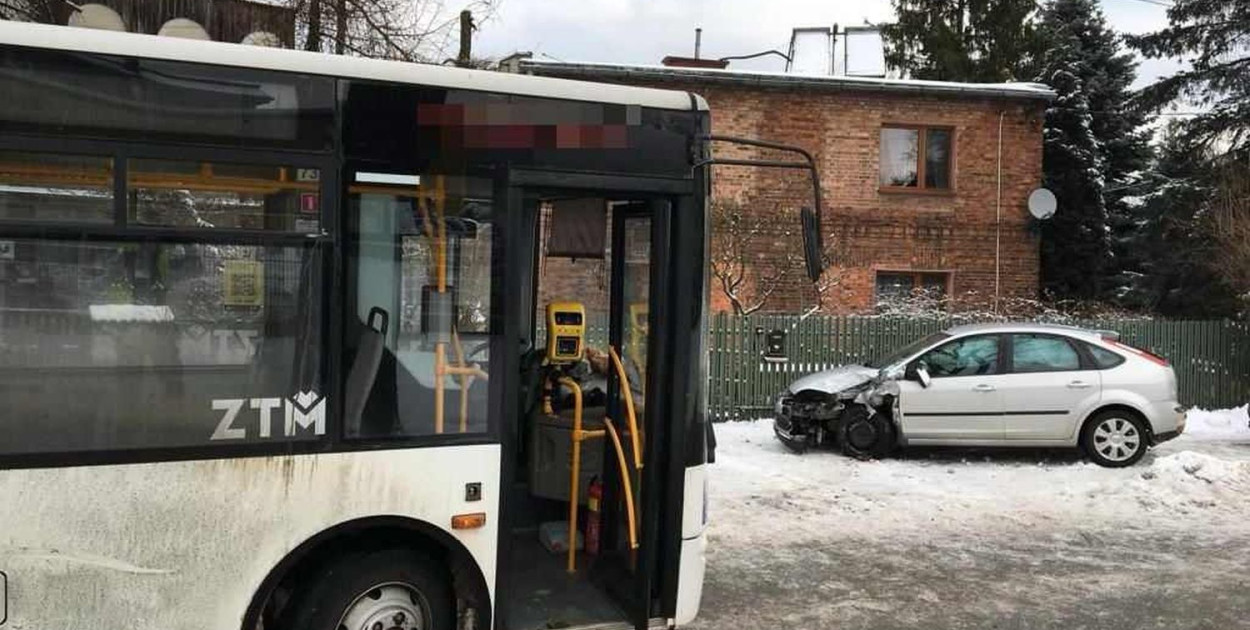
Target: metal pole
{"x":998,"y":221}
{"x":846,"y":52}
{"x":833,"y":50}
{"x":698,"y":41}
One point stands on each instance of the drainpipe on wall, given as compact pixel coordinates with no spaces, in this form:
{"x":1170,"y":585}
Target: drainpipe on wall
{"x":998,"y":219}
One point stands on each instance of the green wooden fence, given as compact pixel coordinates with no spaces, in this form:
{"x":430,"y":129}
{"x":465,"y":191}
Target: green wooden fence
{"x":1211,"y":358}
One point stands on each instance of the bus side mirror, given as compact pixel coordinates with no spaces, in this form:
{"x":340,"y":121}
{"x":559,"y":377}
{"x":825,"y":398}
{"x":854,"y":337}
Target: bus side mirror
{"x":812,"y":244}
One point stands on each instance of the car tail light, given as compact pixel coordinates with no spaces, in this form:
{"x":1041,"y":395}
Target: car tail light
{"x":1149,"y":356}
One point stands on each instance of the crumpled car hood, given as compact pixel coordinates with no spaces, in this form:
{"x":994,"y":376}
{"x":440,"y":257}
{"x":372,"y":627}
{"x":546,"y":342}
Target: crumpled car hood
{"x":836,"y":380}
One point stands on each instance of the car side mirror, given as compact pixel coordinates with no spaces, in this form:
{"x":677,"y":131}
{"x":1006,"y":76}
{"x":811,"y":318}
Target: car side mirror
{"x":919,"y":372}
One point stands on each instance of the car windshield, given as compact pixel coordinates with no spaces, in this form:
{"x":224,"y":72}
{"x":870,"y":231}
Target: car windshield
{"x":906,"y":351}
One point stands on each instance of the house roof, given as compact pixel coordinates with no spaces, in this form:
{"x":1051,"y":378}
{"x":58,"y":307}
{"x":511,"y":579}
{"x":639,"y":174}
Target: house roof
{"x":783,"y":80}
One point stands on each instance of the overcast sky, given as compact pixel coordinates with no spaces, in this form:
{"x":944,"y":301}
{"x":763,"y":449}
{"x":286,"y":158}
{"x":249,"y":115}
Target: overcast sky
{"x":644,"y":31}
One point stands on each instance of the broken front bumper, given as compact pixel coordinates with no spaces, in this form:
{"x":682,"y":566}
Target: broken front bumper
{"x":799,"y":432}
{"x":783,"y":428}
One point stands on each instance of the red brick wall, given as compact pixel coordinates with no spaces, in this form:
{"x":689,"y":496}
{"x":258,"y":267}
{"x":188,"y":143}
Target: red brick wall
{"x":869,"y":230}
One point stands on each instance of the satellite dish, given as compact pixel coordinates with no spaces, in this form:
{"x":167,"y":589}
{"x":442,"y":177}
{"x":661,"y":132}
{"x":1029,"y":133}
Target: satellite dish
{"x":96,"y":16}
{"x":1042,"y":204}
{"x":262,"y":38}
{"x":183,"y":28}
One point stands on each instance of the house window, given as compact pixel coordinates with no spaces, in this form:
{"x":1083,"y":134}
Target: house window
{"x":895,"y":286}
{"x":916,"y":158}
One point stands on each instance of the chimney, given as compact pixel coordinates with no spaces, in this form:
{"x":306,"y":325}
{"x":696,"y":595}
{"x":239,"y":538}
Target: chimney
{"x":674,"y":61}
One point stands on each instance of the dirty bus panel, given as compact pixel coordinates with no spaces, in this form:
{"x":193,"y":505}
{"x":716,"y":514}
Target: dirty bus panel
{"x":260,"y":323}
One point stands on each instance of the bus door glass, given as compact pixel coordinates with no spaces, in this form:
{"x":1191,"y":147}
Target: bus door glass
{"x":637,"y":268}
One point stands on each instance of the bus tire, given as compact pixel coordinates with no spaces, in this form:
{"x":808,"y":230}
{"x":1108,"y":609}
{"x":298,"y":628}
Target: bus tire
{"x":398,"y":588}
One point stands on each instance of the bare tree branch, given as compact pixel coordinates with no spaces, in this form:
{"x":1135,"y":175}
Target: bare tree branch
{"x":408,"y":30}
{"x":748,"y":267}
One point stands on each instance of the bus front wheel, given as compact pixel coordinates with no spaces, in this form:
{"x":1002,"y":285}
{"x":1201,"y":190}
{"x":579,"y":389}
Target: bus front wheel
{"x":396,"y":589}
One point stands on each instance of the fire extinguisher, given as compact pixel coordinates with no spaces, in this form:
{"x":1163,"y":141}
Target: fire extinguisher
{"x":594,"y":495}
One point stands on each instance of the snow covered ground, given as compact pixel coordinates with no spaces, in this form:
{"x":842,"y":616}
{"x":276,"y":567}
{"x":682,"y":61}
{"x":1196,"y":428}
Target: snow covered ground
{"x":942,"y":538}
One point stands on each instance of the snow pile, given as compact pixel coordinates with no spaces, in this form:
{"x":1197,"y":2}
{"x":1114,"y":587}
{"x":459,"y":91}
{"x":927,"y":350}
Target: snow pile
{"x":1225,"y":424}
{"x":1187,"y":466}
{"x":1038,"y":537}
{"x":1189,"y":480}
{"x":759,"y":489}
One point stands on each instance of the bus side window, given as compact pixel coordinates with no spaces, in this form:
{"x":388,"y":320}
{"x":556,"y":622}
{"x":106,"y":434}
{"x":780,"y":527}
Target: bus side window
{"x":430,"y":262}
{"x":109,"y":345}
{"x":135,"y":342}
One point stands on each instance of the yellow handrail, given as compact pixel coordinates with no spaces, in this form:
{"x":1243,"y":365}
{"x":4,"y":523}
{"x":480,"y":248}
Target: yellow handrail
{"x":467,"y":372}
{"x":103,"y":178}
{"x":627,"y":394}
{"x":577,"y":436}
{"x":574,"y":470}
{"x":629,"y":486}
{"x":439,"y":235}
{"x":440,"y":350}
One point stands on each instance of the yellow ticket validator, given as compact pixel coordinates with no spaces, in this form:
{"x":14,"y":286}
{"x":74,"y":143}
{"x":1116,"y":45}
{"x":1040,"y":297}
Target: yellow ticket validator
{"x":566,"y":331}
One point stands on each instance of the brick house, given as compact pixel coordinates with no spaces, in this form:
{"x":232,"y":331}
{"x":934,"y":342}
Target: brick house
{"x":954,"y":223}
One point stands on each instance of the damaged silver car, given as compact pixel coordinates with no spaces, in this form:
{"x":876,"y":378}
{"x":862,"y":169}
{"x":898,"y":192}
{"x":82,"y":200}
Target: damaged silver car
{"x":1033,"y":385}
{"x":849,"y":405}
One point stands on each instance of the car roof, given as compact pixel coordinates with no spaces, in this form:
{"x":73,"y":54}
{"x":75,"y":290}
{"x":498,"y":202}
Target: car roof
{"x":1028,"y":327}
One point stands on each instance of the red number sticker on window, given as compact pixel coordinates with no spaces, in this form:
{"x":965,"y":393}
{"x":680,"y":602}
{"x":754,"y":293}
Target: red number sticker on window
{"x":309,"y":203}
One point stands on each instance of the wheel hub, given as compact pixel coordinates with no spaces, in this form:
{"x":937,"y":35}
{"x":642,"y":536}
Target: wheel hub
{"x":862,"y":434}
{"x":1117,"y":439}
{"x":385,"y":607}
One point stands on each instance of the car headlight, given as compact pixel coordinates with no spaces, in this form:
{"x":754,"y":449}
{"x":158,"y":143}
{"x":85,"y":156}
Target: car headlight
{"x":779,"y":402}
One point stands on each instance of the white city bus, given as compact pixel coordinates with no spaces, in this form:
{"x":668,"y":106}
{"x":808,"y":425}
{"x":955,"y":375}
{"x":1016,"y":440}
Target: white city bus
{"x":273,"y":342}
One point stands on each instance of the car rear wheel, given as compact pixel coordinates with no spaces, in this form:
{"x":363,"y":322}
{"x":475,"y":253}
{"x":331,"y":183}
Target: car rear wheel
{"x":865,"y":435}
{"x":1115,"y":439}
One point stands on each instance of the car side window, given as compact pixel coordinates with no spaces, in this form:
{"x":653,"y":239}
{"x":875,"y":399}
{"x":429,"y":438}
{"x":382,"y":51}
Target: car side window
{"x":1103,"y":358}
{"x":969,"y":356}
{"x":1043,"y":353}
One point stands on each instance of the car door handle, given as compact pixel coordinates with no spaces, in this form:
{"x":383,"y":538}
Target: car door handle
{"x":1079,"y":385}
{"x":983,"y":387}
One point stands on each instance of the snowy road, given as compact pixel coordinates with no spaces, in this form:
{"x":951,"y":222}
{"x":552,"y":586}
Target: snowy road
{"x":980,"y":539}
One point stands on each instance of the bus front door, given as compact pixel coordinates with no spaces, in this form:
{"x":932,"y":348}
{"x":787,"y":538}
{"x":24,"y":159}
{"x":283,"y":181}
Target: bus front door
{"x":635,"y":386}
{"x":615,"y":277}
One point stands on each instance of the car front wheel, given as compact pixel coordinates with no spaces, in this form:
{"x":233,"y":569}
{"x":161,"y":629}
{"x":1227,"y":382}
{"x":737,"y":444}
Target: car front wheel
{"x":865,"y":435}
{"x":1115,"y":439}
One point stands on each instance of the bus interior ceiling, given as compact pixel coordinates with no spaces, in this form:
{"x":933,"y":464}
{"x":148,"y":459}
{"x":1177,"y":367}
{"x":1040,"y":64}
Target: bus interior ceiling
{"x":569,"y":375}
